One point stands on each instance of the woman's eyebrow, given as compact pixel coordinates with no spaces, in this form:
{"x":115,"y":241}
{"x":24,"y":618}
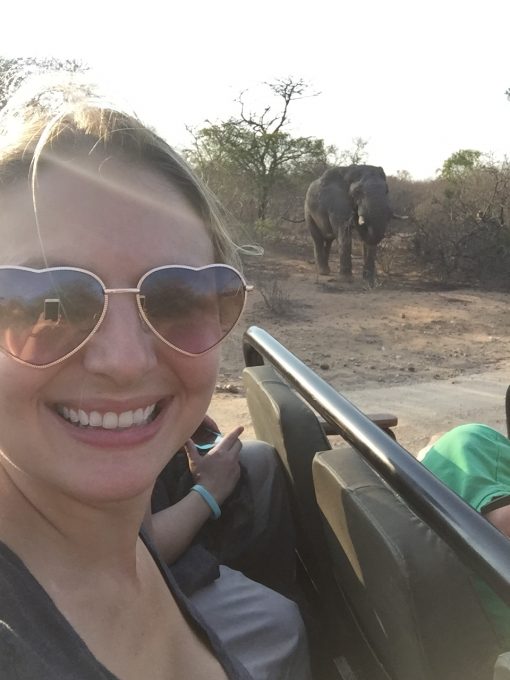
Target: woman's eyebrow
{"x":40,"y":263}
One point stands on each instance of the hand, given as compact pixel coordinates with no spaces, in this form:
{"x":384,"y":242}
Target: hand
{"x":218,"y":470}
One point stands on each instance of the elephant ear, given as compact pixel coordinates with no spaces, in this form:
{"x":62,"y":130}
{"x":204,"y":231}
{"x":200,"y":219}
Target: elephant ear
{"x":335,"y":176}
{"x":353,"y":173}
{"x":381,"y":172}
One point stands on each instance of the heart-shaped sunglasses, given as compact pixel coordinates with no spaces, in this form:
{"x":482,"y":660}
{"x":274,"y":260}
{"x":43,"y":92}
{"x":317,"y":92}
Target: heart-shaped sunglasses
{"x":46,"y":315}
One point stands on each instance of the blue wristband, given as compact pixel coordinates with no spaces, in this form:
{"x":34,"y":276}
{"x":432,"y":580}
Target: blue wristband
{"x":209,"y":499}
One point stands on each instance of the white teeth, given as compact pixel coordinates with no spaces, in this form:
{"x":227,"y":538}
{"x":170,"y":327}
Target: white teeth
{"x":109,"y":420}
{"x":126,"y":419}
{"x":95,"y":419}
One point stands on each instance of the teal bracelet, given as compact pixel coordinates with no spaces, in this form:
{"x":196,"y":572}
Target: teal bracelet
{"x":209,"y":499}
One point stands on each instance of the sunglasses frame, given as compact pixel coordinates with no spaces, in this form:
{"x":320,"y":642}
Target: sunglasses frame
{"x":136,"y":291}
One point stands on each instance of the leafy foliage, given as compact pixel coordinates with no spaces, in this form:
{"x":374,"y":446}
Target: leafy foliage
{"x":252,"y":153}
{"x":463,"y":232}
{"x":460,"y":162}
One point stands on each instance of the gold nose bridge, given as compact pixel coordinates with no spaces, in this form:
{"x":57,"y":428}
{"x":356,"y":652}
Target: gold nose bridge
{"x":113,"y":291}
{"x":135,"y":291}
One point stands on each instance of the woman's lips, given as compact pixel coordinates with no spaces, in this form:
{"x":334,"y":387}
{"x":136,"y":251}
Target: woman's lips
{"x":111,"y":429}
{"x":109,"y":420}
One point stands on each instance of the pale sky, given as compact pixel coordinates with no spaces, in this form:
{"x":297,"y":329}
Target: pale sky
{"x":418,"y":80}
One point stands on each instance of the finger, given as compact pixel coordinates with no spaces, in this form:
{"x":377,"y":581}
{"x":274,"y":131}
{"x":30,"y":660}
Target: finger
{"x":230,"y":438}
{"x":192,"y":452}
{"x":229,"y":446}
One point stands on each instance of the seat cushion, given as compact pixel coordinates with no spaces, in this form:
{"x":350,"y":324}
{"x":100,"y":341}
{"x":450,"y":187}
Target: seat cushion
{"x":410,"y":594}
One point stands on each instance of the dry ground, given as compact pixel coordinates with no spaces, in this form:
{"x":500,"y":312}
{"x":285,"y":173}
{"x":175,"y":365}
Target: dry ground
{"x":405,"y":330}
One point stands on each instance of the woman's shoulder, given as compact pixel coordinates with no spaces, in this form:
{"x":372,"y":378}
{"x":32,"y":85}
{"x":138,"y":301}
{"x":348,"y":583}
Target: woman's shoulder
{"x":36,"y":641}
{"x":16,"y":583}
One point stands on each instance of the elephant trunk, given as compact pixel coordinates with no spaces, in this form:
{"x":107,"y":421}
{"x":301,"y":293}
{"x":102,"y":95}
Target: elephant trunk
{"x":369,"y":232}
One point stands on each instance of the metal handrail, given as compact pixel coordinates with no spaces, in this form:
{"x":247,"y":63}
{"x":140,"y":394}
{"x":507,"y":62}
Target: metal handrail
{"x":481,"y":546}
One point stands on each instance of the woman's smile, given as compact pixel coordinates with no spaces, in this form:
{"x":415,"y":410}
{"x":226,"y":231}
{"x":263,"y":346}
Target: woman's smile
{"x":109,"y":420}
{"x":122,"y":428}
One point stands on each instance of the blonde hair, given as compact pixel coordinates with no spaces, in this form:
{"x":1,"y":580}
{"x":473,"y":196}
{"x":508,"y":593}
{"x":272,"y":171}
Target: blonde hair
{"x":75,"y":119}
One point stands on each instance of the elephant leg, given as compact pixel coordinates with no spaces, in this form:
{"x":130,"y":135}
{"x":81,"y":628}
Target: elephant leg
{"x":321,"y":247}
{"x":345,"y":248}
{"x":369,"y":253}
{"x":327,"y":248}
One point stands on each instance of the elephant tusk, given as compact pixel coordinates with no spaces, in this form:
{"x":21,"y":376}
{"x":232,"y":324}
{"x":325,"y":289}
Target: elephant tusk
{"x":361,"y":220}
{"x":399,"y":217}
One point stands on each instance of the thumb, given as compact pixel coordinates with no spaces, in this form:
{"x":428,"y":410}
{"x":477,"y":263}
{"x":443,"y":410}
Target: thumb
{"x":192,"y":453}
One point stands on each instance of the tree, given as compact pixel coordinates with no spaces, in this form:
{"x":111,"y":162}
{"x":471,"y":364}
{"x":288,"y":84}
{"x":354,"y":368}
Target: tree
{"x":460,"y":162}
{"x":355,"y":155}
{"x":256,"y":146}
{"x":463,"y":232}
{"x":404,"y":176}
{"x":13,"y":71}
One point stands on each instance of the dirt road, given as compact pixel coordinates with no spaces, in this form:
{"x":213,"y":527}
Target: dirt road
{"x":434,"y":357}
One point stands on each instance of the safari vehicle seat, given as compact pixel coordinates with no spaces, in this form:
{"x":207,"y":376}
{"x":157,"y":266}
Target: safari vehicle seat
{"x":286,"y":422}
{"x":411,"y":596}
{"x":502,"y":667}
{"x":281,"y":418}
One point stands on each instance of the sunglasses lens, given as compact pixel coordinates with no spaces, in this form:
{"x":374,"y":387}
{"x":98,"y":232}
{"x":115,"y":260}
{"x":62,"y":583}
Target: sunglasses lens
{"x":45,"y":315}
{"x":191,"y":309}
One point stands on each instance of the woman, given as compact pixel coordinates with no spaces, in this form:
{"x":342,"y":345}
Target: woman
{"x":114,"y":297}
{"x":474,"y":461}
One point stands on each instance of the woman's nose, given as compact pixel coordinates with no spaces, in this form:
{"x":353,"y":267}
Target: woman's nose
{"x":123,"y":347}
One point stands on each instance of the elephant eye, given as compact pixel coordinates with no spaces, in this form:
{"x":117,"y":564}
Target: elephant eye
{"x":357,"y":192}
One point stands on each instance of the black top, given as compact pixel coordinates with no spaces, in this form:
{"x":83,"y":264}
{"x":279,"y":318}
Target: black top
{"x":38,"y":643}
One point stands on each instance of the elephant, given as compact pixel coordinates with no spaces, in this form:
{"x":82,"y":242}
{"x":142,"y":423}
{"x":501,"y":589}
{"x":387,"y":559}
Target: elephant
{"x":343,"y":198}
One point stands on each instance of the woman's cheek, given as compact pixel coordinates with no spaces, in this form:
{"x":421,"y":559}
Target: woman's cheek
{"x":201,"y":373}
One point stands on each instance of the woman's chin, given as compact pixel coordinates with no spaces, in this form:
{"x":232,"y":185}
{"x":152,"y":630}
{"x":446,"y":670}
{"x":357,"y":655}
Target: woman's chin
{"x":97,"y":490}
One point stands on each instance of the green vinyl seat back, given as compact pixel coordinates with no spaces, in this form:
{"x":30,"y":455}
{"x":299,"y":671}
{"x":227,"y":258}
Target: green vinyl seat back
{"x":281,"y":418}
{"x":410,"y":594}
